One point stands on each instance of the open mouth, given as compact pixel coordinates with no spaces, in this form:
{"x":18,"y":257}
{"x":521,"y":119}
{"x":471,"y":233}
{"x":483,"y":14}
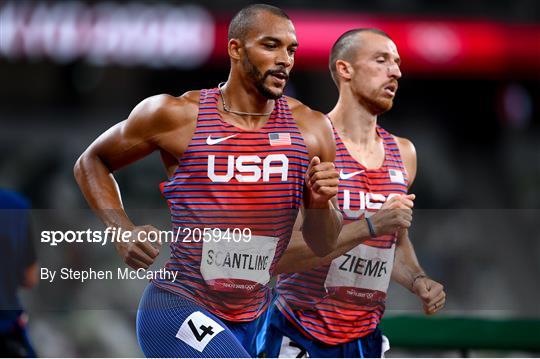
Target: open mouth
{"x":281,"y":77}
{"x":391,"y":89}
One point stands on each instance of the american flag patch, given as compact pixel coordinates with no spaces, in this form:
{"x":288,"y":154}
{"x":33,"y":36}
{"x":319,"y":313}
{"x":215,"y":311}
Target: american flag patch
{"x":396,"y":176}
{"x":279,"y":139}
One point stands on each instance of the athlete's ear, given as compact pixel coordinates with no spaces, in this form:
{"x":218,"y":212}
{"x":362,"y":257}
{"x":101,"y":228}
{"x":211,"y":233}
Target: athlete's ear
{"x":234,"y":48}
{"x":344,"y":69}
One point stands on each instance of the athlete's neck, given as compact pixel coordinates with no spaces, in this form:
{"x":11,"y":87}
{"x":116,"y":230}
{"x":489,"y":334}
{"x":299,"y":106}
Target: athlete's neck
{"x":354,"y":122}
{"x":240,"y":97}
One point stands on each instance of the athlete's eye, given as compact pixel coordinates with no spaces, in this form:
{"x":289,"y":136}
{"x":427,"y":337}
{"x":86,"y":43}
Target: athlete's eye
{"x":380,"y":60}
{"x":270,"y":45}
{"x":292,"y":51}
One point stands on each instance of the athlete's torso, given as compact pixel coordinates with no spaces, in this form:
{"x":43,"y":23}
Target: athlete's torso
{"x":345,"y":300}
{"x":235,"y":195}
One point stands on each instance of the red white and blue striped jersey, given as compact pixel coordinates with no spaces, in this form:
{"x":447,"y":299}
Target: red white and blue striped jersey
{"x":345,"y":300}
{"x":231,"y":182}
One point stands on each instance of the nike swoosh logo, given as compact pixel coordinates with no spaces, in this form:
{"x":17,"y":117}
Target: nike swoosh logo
{"x":213,"y":141}
{"x":345,"y":176}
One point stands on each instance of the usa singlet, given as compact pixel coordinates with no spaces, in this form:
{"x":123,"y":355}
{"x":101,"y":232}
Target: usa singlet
{"x":233,"y":200}
{"x":345,"y":300}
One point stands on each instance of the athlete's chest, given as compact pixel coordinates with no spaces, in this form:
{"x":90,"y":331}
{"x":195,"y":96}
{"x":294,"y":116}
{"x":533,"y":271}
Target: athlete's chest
{"x":363,"y":191}
{"x":225,"y":155}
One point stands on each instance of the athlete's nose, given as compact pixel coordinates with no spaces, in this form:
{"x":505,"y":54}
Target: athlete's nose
{"x":394,"y":71}
{"x":284,"y":58}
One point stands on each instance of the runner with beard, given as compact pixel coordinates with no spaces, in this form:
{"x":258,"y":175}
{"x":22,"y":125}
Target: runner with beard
{"x":240,"y":158}
{"x":332,"y":306}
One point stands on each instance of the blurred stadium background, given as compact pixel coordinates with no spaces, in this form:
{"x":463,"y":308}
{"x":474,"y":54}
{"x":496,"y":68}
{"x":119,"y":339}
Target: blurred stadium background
{"x":469,"y":99}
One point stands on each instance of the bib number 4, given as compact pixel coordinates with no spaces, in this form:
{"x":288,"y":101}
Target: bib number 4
{"x":198,"y":330}
{"x":204,"y":330}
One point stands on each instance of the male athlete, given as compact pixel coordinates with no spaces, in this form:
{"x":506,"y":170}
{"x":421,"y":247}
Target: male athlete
{"x":240,"y":159}
{"x":332,"y":307}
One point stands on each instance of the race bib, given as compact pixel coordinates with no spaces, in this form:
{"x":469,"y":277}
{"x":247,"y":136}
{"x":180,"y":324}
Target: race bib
{"x":290,"y":349}
{"x":198,"y":330}
{"x":229,"y":266}
{"x":361,"y":275}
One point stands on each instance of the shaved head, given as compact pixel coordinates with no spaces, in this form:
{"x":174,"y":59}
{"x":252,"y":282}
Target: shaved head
{"x":246,"y":19}
{"x":345,"y":48}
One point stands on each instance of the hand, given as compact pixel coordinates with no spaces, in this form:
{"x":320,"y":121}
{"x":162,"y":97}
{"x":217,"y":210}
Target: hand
{"x":322,"y":181}
{"x":431,"y":293}
{"x":139,"y":252}
{"x":394,"y":215}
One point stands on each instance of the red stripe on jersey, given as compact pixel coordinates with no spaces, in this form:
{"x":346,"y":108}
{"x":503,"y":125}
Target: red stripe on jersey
{"x":233,"y":178}
{"x":303,"y":298}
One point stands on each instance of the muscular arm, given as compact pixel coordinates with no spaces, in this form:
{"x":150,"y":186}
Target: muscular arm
{"x":147,"y":129}
{"x":409,"y":274}
{"x":299,"y":257}
{"x":407,"y":270}
{"x":162,"y":123}
{"x":406,"y":266}
{"x":321,"y":221}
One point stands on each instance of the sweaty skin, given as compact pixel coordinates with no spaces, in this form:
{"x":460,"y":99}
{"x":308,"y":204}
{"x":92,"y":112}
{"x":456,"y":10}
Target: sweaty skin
{"x":166,"y":124}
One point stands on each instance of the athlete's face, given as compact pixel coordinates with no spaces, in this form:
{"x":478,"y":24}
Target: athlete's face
{"x":376,"y":72}
{"x":268,"y":54}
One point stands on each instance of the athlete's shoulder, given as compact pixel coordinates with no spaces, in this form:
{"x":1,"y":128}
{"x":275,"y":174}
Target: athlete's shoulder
{"x":303,"y":112}
{"x":406,"y":147}
{"x":166,"y":106}
{"x":408,"y":156}
{"x":166,"y":111}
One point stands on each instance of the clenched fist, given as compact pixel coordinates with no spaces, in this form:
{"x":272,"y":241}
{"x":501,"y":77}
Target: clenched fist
{"x":431,"y":293}
{"x":322,"y":180}
{"x":139,"y":252}
{"x":394,"y":215}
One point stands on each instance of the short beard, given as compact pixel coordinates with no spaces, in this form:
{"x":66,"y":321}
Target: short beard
{"x":259,"y":78}
{"x":376,"y":107}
